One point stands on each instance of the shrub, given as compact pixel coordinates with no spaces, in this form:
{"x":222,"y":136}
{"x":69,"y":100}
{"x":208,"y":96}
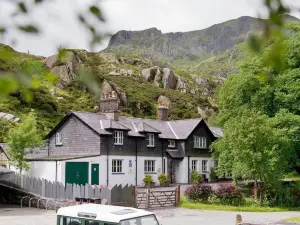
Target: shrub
{"x":199,"y":192}
{"x":148,"y":179}
{"x":195,"y":177}
{"x":213,"y":174}
{"x":163,"y":179}
{"x":228,"y":194}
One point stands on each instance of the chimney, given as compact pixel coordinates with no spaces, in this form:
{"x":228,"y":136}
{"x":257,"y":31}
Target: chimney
{"x":109,"y":102}
{"x":162,"y":112}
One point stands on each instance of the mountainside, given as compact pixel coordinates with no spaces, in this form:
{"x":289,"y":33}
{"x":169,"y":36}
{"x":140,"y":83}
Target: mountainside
{"x":188,"y":68}
{"x":194,"y":45}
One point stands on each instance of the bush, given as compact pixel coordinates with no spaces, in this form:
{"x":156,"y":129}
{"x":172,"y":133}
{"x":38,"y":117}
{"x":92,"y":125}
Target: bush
{"x":195,"y":177}
{"x":148,"y":179}
{"x":199,"y":192}
{"x":228,"y":194}
{"x":163,"y":179}
{"x":213,"y":174}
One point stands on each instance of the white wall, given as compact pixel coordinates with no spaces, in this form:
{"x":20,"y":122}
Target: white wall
{"x":43,"y":169}
{"x":128,"y":173}
{"x":141,"y":173}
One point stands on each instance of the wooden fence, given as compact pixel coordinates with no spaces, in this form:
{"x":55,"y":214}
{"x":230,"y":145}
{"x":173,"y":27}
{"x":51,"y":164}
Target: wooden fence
{"x":122,"y":195}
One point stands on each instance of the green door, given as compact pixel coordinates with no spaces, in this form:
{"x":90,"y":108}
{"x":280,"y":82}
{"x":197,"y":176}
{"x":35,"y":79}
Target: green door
{"x":77,"y":173}
{"x":95,"y":174}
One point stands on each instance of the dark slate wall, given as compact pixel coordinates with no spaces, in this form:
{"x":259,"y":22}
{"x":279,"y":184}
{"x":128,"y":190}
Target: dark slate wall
{"x":202,"y":131}
{"x":77,"y":139}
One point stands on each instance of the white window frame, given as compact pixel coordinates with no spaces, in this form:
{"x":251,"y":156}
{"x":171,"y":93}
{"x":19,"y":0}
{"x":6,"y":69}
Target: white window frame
{"x":194,"y":165}
{"x":58,"y":139}
{"x":204,"y":165}
{"x":199,"y":142}
{"x":117,"y":166}
{"x":151,"y":140}
{"x":118,"y":138}
{"x":149,"y":166}
{"x":171,"y":143}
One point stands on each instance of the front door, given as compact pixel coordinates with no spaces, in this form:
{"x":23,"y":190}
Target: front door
{"x":95,"y":174}
{"x":77,"y":173}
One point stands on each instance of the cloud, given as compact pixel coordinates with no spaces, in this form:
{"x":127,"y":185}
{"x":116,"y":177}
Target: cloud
{"x":60,"y":27}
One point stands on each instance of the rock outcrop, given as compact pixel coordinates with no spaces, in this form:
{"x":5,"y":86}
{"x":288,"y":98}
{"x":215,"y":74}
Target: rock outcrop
{"x":9,"y":117}
{"x":64,"y":67}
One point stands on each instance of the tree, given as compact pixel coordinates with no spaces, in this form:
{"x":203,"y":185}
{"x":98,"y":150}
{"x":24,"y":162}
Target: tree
{"x":23,"y":139}
{"x":254,"y":147}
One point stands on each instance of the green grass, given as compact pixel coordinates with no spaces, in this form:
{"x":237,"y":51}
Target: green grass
{"x":202,"y":206}
{"x":293,"y":220}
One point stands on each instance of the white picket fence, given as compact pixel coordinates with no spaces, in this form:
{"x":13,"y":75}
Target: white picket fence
{"x":58,"y":191}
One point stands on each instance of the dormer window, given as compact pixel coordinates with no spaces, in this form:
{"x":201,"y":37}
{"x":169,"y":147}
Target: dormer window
{"x":58,"y":139}
{"x":118,"y":138}
{"x":171,"y":144}
{"x":150,"y":140}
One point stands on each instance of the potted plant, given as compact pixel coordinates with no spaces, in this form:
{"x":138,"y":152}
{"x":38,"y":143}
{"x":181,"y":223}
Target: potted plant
{"x":196,"y":177}
{"x":164,"y":180}
{"x":148,"y":181}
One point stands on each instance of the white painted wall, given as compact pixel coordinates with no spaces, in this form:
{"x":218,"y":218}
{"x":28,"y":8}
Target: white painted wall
{"x":141,"y":172}
{"x":43,"y":169}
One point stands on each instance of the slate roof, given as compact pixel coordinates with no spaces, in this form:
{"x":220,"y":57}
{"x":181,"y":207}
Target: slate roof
{"x":137,"y":127}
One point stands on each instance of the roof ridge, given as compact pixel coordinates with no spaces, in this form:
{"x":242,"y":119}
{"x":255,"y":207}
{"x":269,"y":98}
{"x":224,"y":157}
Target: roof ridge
{"x":172,"y":130}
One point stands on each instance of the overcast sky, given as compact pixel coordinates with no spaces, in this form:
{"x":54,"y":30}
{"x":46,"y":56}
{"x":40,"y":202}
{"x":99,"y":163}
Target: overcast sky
{"x":60,"y":27}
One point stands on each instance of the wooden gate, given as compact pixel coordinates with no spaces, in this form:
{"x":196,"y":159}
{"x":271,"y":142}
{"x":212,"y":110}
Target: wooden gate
{"x":157,"y":197}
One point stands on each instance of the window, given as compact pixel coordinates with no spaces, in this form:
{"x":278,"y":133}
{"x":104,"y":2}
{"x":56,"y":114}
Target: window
{"x":91,"y":222}
{"x":118,"y":137}
{"x":150,"y":140}
{"x":70,"y":221}
{"x":171,"y":144}
{"x":116,"y":166}
{"x":149,"y":166}
{"x":199,"y":142}
{"x":143,"y":220}
{"x":58,"y":139}
{"x":204,"y":165}
{"x":194,"y":165}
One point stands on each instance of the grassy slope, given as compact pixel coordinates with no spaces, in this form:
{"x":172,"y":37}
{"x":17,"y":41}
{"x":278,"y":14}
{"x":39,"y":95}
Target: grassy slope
{"x":293,"y":220}
{"x":50,"y":109}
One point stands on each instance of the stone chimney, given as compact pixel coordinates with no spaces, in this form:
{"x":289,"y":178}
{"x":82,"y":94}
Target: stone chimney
{"x":163,"y":112}
{"x":109,"y":101}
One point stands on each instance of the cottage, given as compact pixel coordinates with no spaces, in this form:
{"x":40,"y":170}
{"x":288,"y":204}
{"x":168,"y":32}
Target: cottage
{"x":107,"y":149}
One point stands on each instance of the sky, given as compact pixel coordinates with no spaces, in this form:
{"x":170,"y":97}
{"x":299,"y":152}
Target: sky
{"x":59,"y":26}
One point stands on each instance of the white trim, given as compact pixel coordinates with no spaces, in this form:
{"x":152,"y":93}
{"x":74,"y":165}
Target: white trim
{"x":150,"y":140}
{"x":171,"y":146}
{"x":101,"y":125}
{"x":118,"y":137}
{"x":134,"y":127}
{"x":172,"y":130}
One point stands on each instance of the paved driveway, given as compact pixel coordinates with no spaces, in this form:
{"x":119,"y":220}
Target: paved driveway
{"x":174,"y":216}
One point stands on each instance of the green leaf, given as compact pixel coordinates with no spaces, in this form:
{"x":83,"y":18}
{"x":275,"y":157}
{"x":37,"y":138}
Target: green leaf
{"x":28,"y":28}
{"x":255,"y":44}
{"x":22,"y":7}
{"x":38,"y":1}
{"x":81,"y":19}
{"x":28,"y":95}
{"x":97,"y":12}
{"x":2,"y":30}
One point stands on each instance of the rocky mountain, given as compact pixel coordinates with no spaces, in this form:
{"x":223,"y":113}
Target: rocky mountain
{"x":194,"y":45}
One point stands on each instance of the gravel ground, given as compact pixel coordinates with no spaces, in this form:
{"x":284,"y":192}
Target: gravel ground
{"x":173,"y":216}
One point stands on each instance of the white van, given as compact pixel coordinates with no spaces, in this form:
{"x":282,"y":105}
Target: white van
{"x":96,"y":214}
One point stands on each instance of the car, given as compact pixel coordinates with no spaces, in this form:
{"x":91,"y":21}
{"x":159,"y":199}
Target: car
{"x":97,"y":214}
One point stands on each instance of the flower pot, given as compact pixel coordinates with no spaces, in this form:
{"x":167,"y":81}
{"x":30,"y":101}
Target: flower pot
{"x":165,"y":185}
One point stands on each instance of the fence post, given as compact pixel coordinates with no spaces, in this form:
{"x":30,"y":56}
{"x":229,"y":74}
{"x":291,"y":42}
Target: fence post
{"x":133,"y":197}
{"x":147,"y":198}
{"x":177,"y":194}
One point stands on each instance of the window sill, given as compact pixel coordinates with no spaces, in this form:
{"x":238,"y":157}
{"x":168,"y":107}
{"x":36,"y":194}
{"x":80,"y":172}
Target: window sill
{"x":117,"y":173}
{"x":171,"y":146}
{"x":150,"y":146}
{"x":150,"y":173}
{"x":200,"y":147}
{"x":59,"y":144}
{"x":118,"y":144}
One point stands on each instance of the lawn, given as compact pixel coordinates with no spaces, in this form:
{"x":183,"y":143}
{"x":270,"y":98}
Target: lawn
{"x":293,"y":220}
{"x":202,"y":206}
